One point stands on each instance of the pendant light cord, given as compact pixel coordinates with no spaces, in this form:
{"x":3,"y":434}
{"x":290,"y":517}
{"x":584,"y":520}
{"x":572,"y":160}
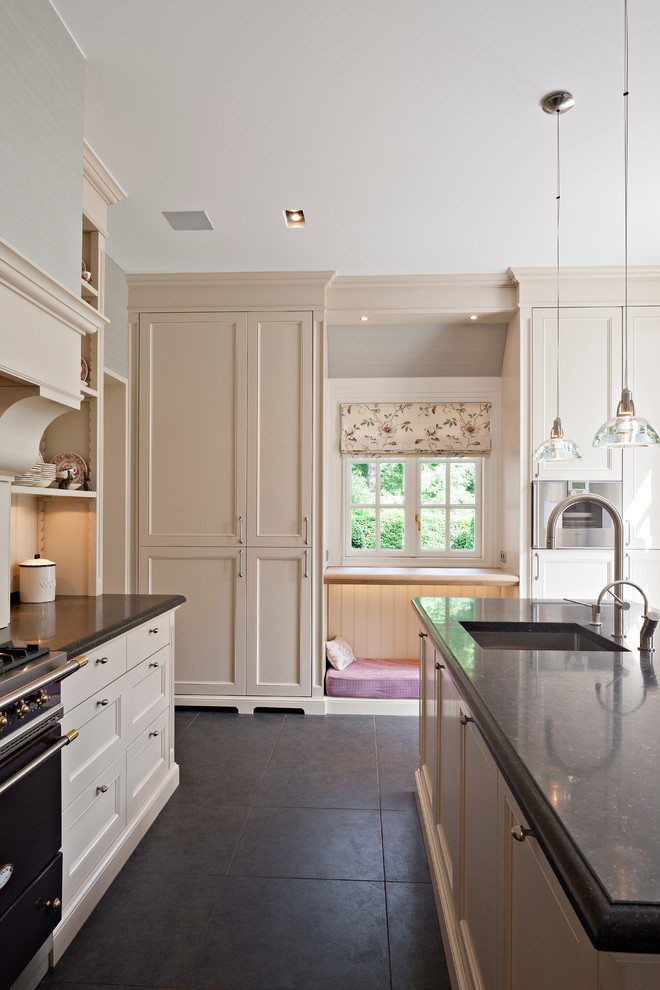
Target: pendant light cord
{"x":625,"y":193}
{"x":558,"y":239}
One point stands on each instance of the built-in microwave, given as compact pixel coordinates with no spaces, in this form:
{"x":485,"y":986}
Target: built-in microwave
{"x":582,"y":524}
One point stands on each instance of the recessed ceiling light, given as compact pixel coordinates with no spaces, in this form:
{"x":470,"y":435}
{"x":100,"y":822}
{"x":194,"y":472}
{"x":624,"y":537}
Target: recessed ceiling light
{"x":364,"y":318}
{"x":474,"y":317}
{"x":294,"y":218}
{"x":188,"y":220}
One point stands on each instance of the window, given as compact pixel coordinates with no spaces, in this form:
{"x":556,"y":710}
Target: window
{"x":413,"y":508}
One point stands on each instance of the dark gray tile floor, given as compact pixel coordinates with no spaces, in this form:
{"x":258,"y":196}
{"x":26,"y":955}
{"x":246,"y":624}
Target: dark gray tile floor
{"x":290,"y":858}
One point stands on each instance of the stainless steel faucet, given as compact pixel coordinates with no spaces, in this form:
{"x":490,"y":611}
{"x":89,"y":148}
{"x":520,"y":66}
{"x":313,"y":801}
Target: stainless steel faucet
{"x":650,"y":618}
{"x":617,"y":522}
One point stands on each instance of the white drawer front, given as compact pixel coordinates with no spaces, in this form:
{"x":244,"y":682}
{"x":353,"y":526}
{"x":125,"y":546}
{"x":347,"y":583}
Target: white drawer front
{"x":148,"y":690}
{"x":92,"y":823}
{"x":148,"y":638}
{"x":105,"y":665}
{"x":101,"y":722}
{"x":147,"y":761}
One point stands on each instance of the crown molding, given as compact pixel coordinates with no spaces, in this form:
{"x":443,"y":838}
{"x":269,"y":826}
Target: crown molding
{"x":98,"y":176}
{"x":604,"y":286}
{"x":198,"y":292}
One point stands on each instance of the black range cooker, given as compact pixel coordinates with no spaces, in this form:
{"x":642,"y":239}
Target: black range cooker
{"x":30,"y":801}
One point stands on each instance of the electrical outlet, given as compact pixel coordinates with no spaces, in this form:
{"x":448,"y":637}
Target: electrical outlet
{"x":502,"y":556}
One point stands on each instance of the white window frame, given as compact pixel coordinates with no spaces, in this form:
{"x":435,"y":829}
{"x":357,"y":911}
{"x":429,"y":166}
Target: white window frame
{"x":412,"y":553}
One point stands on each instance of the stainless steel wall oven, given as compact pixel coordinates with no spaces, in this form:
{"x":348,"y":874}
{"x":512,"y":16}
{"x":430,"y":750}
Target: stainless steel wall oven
{"x":582,"y":524}
{"x":30,"y":801}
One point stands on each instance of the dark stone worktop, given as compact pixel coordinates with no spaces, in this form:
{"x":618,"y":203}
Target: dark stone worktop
{"x":76,"y":624}
{"x":577,"y":737}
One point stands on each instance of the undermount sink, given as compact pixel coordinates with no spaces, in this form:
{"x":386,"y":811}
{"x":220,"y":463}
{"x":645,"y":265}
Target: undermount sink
{"x":565,"y":636}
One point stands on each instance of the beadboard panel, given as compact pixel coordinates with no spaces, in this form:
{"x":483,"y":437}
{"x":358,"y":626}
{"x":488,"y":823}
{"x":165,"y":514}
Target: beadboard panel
{"x":379,"y":621}
{"x":42,"y":78}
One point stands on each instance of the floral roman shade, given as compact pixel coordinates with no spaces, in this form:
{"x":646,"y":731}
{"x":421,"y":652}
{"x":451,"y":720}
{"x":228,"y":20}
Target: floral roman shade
{"x":404,"y":429}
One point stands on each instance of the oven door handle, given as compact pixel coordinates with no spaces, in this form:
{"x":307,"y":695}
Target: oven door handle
{"x":52,"y":677}
{"x":63,"y":741}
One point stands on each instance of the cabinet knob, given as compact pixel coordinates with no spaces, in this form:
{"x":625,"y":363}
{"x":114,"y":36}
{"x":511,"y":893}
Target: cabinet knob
{"x":422,"y":635}
{"x":54,"y":905}
{"x":464,"y":719}
{"x":102,"y":703}
{"x":154,"y":664}
{"x":519,"y":833}
{"x":155,"y":630}
{"x":439,"y":666}
{"x":101,"y":789}
{"x":103,"y":659}
{"x":155,"y":733}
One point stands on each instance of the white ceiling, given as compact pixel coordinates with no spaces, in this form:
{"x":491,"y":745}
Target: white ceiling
{"x":409,"y":131}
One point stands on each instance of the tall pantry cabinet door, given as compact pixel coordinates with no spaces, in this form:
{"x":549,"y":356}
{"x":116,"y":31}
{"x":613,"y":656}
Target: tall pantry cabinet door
{"x":193,"y":370}
{"x":279,"y":622}
{"x":210,"y":627}
{"x":642,"y":505}
{"x":589,"y":387}
{"x":280,"y":429}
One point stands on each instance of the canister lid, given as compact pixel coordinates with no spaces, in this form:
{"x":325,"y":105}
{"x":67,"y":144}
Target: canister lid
{"x":37,"y":561}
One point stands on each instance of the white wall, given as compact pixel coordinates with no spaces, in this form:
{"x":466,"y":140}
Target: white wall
{"x":340,"y":390}
{"x":42,"y":78}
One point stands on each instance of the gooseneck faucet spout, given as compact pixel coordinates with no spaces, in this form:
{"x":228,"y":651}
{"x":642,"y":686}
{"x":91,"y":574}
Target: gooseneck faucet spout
{"x":617,"y":523}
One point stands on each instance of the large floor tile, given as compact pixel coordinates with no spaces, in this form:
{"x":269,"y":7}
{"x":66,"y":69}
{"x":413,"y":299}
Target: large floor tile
{"x":397,"y":740}
{"x":193,"y":840}
{"x":405,"y":858}
{"x":295,"y":935}
{"x":144,"y":931}
{"x":310,"y":842}
{"x":417,"y":959}
{"x":324,"y":761}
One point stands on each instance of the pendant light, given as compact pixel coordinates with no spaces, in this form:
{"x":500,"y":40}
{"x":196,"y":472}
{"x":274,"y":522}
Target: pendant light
{"x":558,"y":447}
{"x":626,"y":429}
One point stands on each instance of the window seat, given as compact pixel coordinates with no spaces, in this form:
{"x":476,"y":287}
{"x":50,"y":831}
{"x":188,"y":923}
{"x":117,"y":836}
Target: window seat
{"x":374,"y":679}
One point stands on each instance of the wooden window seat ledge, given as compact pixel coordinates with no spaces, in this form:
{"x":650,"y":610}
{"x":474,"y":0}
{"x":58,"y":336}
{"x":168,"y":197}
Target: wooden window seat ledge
{"x":446,"y":576}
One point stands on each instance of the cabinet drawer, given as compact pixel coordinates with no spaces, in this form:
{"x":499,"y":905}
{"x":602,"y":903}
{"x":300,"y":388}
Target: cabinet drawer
{"x":147,"y":761}
{"x":105,"y":665}
{"x":91,"y":824}
{"x":148,"y":638}
{"x":147,"y":690}
{"x":101,"y":722}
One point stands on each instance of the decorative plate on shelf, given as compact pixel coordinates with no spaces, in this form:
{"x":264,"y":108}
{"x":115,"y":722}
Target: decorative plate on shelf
{"x":84,"y":370}
{"x":74,"y":464}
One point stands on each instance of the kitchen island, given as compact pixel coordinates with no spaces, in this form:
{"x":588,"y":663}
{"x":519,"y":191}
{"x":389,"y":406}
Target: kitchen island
{"x":119,"y":770}
{"x":538,"y":798}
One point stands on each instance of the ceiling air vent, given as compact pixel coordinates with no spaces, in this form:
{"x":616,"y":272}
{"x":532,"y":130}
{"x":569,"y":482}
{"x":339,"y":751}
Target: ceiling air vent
{"x":188,"y":220}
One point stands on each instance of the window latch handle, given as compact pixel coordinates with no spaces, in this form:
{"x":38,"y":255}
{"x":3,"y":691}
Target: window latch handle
{"x":419,"y":524}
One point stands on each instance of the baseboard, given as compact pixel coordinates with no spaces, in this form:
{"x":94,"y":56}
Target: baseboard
{"x":77,"y":911}
{"x":371,"y":706}
{"x":246,"y":704}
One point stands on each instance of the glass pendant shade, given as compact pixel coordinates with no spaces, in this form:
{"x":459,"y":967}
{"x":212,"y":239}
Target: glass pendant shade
{"x":626,"y":429}
{"x":558,"y":447}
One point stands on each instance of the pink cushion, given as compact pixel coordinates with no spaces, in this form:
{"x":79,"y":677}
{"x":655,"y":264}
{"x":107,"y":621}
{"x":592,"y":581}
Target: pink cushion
{"x":374,"y":679}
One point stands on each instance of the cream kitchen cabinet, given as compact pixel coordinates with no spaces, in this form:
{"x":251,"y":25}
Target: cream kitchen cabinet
{"x":428,"y":724}
{"x":226,"y":451}
{"x":643,"y":567}
{"x":121,"y":771}
{"x":589,"y":383}
{"x":642,"y":464}
{"x":570,"y":573}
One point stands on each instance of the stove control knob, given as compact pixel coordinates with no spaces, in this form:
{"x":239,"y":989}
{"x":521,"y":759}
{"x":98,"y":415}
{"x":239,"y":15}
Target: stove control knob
{"x":41,"y":699}
{"x":21,"y":709}
{"x":3,"y":721}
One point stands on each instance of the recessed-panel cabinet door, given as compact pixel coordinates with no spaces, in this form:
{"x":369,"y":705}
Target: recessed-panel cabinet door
{"x":450,"y":773}
{"x":192,"y":429}
{"x":428,"y":742}
{"x":642,"y":464}
{"x":589,"y":387}
{"x":279,"y":615}
{"x":210,"y":627}
{"x":280,"y":429}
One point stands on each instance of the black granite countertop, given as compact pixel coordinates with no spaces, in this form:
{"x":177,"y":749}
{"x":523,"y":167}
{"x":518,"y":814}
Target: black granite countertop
{"x":577,"y":737}
{"x":76,"y":624}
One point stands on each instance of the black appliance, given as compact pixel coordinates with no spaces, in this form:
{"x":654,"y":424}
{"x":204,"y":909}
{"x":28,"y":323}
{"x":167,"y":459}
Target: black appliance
{"x":30,"y":800}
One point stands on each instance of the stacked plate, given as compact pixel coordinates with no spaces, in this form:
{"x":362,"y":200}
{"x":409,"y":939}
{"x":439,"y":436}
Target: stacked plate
{"x":40,"y":475}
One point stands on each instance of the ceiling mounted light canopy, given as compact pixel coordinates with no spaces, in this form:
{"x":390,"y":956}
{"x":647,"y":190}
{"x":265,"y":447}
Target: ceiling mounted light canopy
{"x":626,"y":429}
{"x":558,"y":447}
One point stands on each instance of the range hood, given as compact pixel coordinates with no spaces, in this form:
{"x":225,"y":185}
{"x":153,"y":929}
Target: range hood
{"x":41,"y":325}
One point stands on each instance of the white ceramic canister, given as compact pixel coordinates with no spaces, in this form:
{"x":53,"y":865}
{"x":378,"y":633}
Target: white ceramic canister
{"x":36,"y":580}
